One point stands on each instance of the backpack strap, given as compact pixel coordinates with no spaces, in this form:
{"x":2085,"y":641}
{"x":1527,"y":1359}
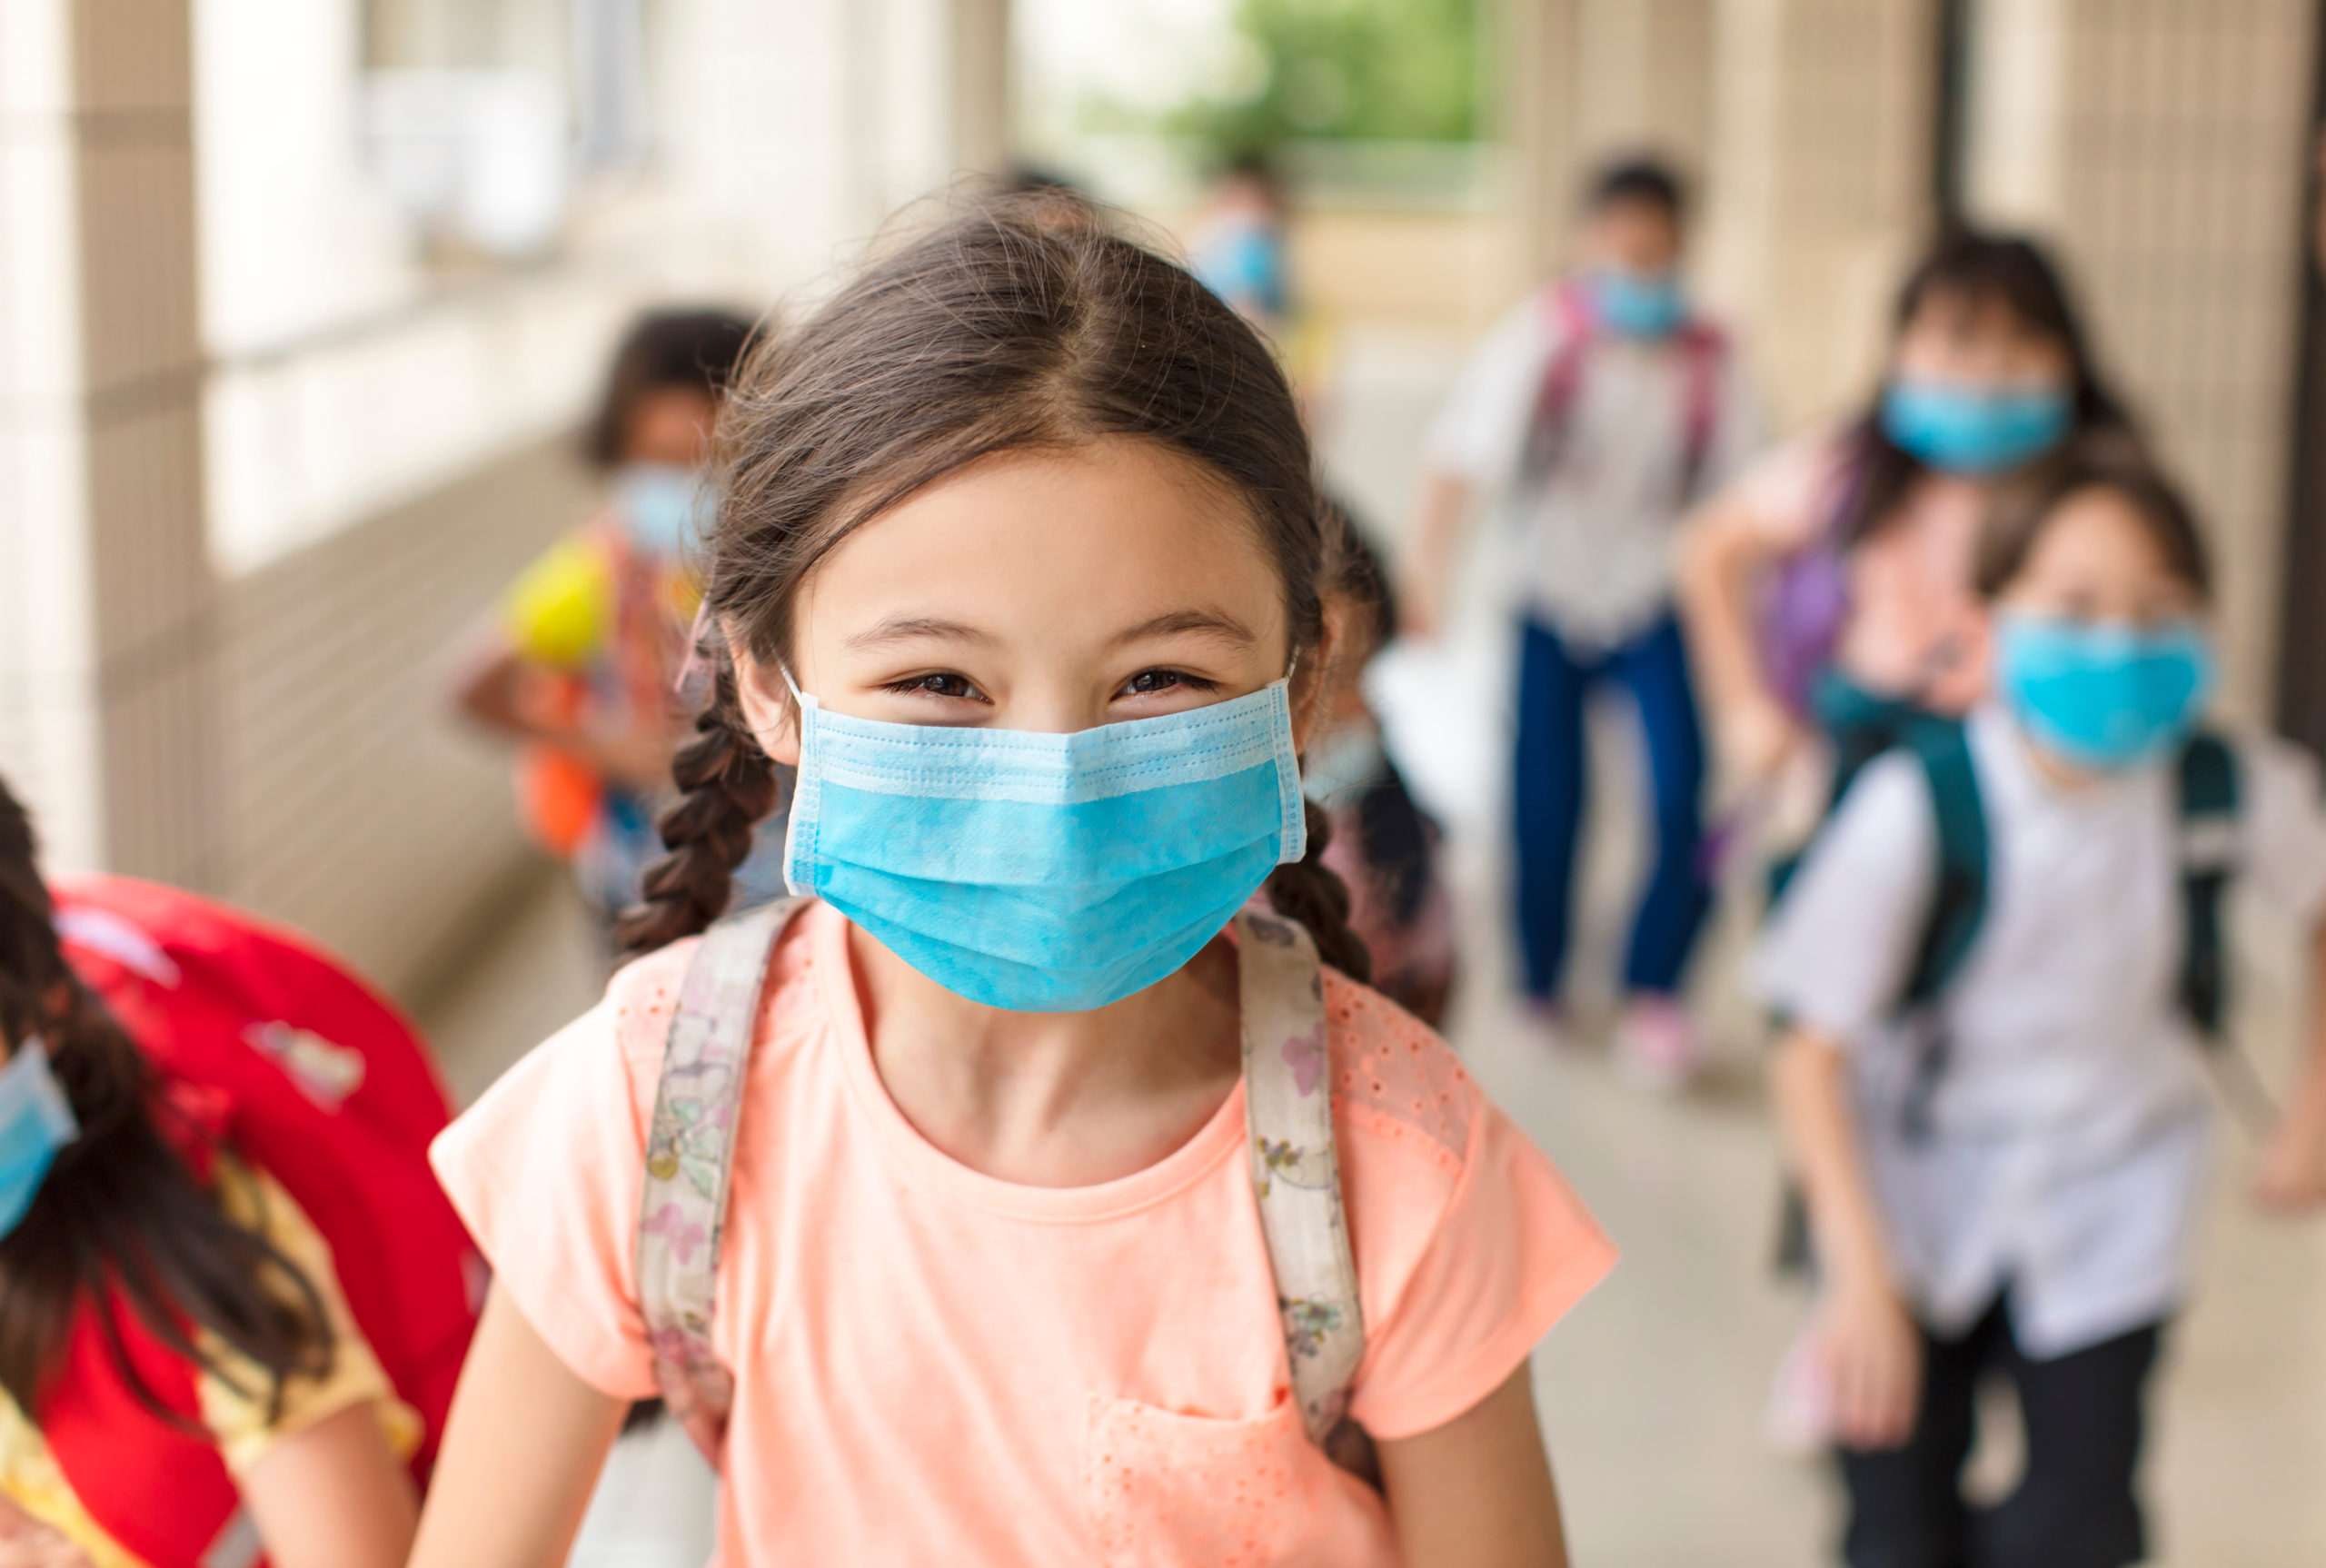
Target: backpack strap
{"x":1295,"y":1175}
{"x":689,"y":1157}
{"x":1570,"y":319}
{"x":1958,"y":900}
{"x":2207,"y":786}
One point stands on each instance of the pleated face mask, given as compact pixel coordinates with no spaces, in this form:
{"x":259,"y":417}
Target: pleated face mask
{"x":1046,"y":873}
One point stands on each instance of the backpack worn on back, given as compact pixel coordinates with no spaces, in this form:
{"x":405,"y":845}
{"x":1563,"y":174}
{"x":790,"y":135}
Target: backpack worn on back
{"x":1706,"y":351}
{"x":2206,"y":793}
{"x":280,"y":1055}
{"x":1295,"y":1172}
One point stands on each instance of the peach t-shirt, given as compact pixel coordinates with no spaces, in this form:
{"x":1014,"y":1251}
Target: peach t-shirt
{"x":934,"y":1365}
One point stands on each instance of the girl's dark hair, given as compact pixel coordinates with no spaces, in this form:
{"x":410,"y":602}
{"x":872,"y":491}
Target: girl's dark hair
{"x":1980,"y":268}
{"x":2024,"y":511}
{"x":685,"y":351}
{"x":1020,"y":323}
{"x":120,"y":1217}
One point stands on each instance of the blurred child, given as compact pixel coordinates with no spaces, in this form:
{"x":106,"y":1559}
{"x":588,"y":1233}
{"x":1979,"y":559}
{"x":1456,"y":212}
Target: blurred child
{"x":232,"y":1303}
{"x":1383,"y":847}
{"x":2002,"y":962}
{"x":583,"y":660}
{"x":1591,"y":417}
{"x":1829,"y":589}
{"x":1237,"y":249}
{"x":1026,"y":1199}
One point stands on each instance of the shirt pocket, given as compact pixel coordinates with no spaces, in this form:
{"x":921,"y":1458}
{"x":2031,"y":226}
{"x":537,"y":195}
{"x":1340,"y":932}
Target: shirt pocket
{"x":1170,"y":1490}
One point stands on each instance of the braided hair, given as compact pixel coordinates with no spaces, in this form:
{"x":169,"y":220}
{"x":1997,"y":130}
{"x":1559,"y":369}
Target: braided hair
{"x":1023,"y":322}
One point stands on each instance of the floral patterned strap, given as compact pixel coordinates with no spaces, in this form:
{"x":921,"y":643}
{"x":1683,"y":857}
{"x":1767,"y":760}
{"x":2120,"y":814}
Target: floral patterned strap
{"x":1295,"y":1174}
{"x":690,"y":1154}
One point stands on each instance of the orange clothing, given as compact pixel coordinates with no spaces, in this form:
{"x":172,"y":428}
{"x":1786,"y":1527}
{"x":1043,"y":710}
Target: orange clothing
{"x":936,"y":1365}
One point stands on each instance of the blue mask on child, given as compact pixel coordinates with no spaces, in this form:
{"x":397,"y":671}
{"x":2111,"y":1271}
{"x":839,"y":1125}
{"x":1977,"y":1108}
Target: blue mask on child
{"x":1974,"y":429}
{"x":664,"y":508}
{"x":2102,"y":695}
{"x":1638,"y":305}
{"x":36,"y":1121}
{"x":1046,"y":873}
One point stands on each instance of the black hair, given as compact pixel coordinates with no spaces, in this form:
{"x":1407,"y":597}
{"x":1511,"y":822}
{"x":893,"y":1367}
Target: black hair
{"x":1637,"y":177}
{"x":2009,"y":270}
{"x":681,"y":349}
{"x":2024,"y":511}
{"x":120,"y":1219}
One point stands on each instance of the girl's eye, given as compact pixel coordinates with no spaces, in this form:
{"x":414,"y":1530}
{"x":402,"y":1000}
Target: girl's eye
{"x":943,"y":683}
{"x":1148,"y":682}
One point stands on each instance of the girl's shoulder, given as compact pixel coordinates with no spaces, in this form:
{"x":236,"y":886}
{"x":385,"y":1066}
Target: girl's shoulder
{"x":1394,"y":1082}
{"x":643,"y":994}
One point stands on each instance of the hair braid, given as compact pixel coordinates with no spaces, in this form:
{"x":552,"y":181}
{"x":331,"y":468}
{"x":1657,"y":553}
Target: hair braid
{"x":1313,"y":893}
{"x":727,"y":784}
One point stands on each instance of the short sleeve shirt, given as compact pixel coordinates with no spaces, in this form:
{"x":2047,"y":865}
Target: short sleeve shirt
{"x":2070,"y":1120}
{"x":936,"y":1365}
{"x":1596,"y":534}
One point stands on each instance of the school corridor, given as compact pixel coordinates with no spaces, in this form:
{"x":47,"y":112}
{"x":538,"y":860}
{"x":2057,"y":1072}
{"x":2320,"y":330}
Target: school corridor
{"x":305,"y":305}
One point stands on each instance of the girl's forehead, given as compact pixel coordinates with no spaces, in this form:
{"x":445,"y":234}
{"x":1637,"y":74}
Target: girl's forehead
{"x":1070,"y":536}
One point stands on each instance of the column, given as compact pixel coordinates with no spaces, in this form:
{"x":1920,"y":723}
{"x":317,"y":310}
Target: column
{"x":106,"y":597}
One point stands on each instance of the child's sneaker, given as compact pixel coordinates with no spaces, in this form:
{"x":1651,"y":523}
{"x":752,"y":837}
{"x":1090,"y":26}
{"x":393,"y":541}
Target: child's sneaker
{"x":1656,"y":1045}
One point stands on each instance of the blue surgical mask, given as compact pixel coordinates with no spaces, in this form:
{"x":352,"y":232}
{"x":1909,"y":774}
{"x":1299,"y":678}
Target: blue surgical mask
{"x":1046,"y":873}
{"x":1637,"y":304}
{"x":2102,"y":695}
{"x":36,"y":1121}
{"x":664,"y":508}
{"x":1974,"y":429}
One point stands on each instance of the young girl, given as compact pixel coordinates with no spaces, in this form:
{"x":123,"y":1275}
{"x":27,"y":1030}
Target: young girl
{"x":1829,"y":588}
{"x":1018,"y":558}
{"x":581,"y":660}
{"x":2004,"y":1173}
{"x":182,"y":1381}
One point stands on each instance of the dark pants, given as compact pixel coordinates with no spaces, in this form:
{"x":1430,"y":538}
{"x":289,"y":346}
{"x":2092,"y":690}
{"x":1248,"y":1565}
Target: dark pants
{"x":2074,"y":1508}
{"x":1553,"y":681}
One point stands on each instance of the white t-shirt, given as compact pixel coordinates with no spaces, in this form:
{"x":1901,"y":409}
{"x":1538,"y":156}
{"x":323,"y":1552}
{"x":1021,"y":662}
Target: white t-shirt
{"x":2070,"y":1122}
{"x":1596,"y":537}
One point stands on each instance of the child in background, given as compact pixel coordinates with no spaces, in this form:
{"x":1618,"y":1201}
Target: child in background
{"x":1828,"y":591}
{"x":1035,"y":606}
{"x":218,"y":1239}
{"x":1591,"y":418}
{"x":583,"y":662}
{"x":1237,"y":245}
{"x":2003,"y":1159}
{"x":1383,"y":849}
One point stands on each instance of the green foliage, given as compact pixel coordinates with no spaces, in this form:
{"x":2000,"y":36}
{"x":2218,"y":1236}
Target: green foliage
{"x":1359,"y":70}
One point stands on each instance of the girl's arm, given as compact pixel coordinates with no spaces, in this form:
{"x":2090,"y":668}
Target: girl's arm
{"x":1476,"y":1492}
{"x":1428,"y":569}
{"x":2292,"y":1177}
{"x":1871,"y":1347}
{"x":335,"y":1495}
{"x":1723,"y":550}
{"x":521,"y":1454}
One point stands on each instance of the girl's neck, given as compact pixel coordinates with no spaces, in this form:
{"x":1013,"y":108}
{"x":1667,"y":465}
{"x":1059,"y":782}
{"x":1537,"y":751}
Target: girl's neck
{"x":1052,"y":1099}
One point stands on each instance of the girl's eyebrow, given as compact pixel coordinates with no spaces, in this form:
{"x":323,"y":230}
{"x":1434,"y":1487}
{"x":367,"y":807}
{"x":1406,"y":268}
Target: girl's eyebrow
{"x":1202,"y":622}
{"x":915,"y":628}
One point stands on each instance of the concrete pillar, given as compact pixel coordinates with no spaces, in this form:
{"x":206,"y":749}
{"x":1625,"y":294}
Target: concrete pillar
{"x":982,"y":139}
{"x":2161,"y":147}
{"x":1643,"y":78}
{"x":106,"y":596}
{"x":1819,"y":184}
{"x":1538,"y":84}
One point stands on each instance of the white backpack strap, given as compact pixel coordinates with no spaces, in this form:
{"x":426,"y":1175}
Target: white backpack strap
{"x":690,"y":1155}
{"x":1295,"y":1172}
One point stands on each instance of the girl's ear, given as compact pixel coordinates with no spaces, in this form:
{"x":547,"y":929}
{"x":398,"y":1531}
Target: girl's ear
{"x":768,"y":712}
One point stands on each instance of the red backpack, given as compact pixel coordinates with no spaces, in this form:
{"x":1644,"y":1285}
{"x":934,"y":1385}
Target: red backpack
{"x":278,"y":1053}
{"x":1571,"y":314}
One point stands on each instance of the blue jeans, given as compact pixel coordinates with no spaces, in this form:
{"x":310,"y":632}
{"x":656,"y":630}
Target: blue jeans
{"x":1553,"y":681}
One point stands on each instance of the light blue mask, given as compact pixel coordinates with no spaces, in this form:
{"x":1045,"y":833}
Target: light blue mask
{"x":36,"y":1121}
{"x":1638,"y":305}
{"x":2102,"y":695}
{"x":1974,"y":429}
{"x":1046,"y":873}
{"x":664,"y":508}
